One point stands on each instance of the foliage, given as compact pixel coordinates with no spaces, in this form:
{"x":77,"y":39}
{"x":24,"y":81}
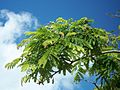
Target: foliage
{"x":70,"y":46}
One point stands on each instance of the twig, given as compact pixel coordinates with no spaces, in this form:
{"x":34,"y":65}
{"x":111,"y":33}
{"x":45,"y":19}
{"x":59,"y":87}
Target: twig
{"x":92,"y":83}
{"x":111,"y":51}
{"x":55,"y":72}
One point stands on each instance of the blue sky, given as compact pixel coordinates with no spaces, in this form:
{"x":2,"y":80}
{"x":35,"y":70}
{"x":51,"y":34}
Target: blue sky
{"x":47,"y":10}
{"x":16,"y":17}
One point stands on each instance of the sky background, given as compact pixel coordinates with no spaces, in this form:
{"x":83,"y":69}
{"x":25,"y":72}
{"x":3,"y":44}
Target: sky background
{"x":17,"y":17}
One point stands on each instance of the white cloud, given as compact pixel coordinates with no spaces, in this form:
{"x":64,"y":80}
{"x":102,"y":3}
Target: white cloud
{"x":12,"y":27}
{"x":15,"y":25}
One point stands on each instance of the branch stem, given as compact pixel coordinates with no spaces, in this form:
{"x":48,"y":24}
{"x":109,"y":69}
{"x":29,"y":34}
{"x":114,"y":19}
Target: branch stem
{"x":111,"y":51}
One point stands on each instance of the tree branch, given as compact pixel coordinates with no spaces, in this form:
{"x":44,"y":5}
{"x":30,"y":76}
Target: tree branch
{"x":71,"y":62}
{"x":55,"y":72}
{"x":92,"y":83}
{"x":111,"y":51}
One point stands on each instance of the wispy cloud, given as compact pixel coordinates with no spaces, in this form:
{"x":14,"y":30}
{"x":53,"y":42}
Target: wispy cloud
{"x":12,"y":27}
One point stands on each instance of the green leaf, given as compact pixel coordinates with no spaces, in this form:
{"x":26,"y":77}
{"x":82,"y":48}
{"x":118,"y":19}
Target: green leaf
{"x":80,"y":49}
{"x":49,"y":42}
{"x":43,"y":60}
{"x":71,"y":34}
{"x":60,"y":19}
{"x":24,"y":67}
{"x":53,"y":81}
{"x":30,"y":33}
{"x":119,"y":27}
{"x":64,"y":71}
{"x":22,"y":43}
{"x":25,"y":79}
{"x":87,"y":44}
{"x":12,"y":64}
{"x":77,"y":77}
{"x":118,"y":37}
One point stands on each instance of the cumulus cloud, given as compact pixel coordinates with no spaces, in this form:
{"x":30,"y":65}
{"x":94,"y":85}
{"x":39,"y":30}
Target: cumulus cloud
{"x":15,"y":25}
{"x":12,"y":27}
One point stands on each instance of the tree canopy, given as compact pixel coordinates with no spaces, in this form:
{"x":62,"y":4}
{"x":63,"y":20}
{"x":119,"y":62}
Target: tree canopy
{"x":73,"y":46}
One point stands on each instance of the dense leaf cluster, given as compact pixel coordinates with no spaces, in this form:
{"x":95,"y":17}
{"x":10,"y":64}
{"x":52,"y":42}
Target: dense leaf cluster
{"x":70,"y":46}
